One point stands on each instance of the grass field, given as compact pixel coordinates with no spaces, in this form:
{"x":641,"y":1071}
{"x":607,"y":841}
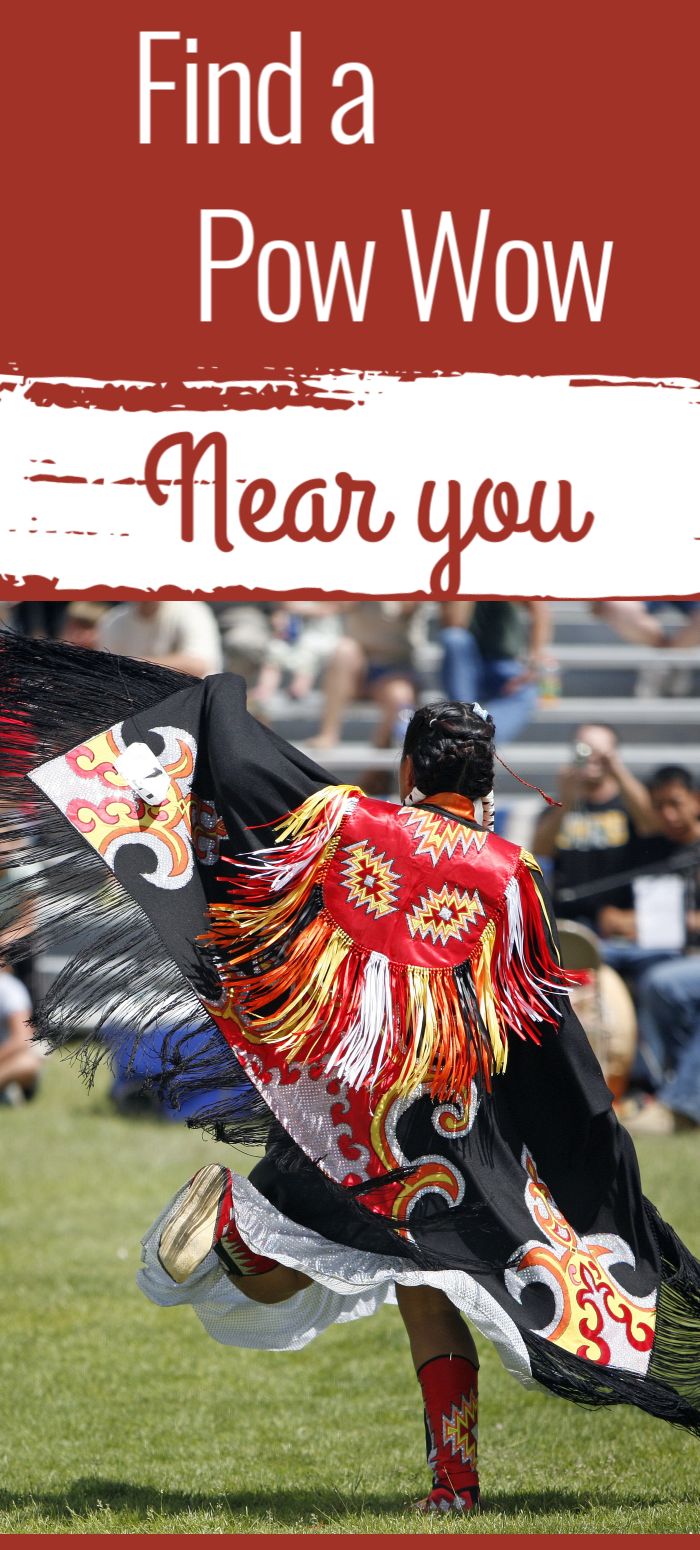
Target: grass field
{"x":119,"y":1417}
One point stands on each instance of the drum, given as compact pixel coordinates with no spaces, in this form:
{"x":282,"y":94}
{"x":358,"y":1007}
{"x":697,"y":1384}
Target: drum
{"x":602,"y":1003}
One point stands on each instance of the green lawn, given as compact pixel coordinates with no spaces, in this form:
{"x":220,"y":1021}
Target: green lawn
{"x":122,"y":1417}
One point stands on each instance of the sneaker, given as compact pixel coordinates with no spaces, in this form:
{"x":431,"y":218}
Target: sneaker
{"x":197,"y":1223}
{"x":630,"y":1107}
{"x":654,"y":1119}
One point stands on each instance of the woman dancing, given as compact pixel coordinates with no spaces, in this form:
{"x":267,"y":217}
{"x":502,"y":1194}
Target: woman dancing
{"x":374,"y":993}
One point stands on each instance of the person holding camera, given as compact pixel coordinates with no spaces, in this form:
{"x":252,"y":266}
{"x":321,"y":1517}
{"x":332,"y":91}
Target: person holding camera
{"x":599,"y":830}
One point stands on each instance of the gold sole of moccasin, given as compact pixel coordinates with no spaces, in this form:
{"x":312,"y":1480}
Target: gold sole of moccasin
{"x":188,"y":1235}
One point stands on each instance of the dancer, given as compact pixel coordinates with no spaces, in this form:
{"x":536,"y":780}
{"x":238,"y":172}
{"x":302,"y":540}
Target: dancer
{"x":373,"y":991}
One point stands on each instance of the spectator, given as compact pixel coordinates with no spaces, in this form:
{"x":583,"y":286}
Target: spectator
{"x":676,"y":807}
{"x":638,"y":621}
{"x":675,"y":815}
{"x":302,"y":640}
{"x":374,"y":656}
{"x":19,"y":881}
{"x":246,"y":634}
{"x":669,"y":993}
{"x":81,"y":624}
{"x":180,"y":635}
{"x":20,"y":1058}
{"x":496,"y":653}
{"x":596,"y":832}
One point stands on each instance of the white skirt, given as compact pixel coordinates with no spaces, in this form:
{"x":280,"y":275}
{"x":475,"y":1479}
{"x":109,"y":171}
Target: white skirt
{"x":346,"y":1284}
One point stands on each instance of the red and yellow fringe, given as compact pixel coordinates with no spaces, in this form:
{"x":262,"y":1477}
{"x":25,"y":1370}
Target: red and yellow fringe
{"x":305,"y":987}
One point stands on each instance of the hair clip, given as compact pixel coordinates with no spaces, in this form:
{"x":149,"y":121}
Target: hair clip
{"x":479,"y":711}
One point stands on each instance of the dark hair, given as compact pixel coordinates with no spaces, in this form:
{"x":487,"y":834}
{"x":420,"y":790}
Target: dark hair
{"x":671,"y":775}
{"x":451,"y":746}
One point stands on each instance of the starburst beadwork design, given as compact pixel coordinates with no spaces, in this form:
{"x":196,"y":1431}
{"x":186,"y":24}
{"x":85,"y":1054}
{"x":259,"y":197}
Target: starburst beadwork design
{"x":460,"y":1429}
{"x":445,"y":916}
{"x":369,"y":879}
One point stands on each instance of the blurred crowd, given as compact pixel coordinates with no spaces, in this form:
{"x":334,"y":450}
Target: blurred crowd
{"x":623,"y":858}
{"x":621,"y":855}
{"x":354,"y":650}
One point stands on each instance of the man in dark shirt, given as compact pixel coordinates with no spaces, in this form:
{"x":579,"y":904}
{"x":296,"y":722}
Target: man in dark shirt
{"x":598,"y":831}
{"x":669,"y":993}
{"x":676,"y":803}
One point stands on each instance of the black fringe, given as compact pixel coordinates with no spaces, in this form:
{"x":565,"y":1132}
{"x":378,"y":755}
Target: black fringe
{"x":671,"y":1389}
{"x":472,"y":1018}
{"x":676,"y":1355}
{"x":51,"y":697}
{"x":572,"y":1377}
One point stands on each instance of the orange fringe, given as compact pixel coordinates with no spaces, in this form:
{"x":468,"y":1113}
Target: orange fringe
{"x":309,"y":991}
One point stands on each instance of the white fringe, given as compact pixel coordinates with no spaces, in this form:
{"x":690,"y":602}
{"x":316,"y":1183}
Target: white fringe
{"x":279,"y":875}
{"x":516,"y":946}
{"x":361,"y":1052}
{"x":516,"y":936}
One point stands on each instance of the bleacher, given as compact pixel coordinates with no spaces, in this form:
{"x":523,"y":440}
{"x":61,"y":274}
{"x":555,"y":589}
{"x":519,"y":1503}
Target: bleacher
{"x":598,"y":676}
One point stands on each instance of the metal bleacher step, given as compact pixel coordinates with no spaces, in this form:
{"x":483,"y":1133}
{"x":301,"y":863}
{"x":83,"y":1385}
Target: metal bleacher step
{"x":666,"y":710}
{"x":574,"y":623}
{"x":536,"y":762}
{"x":638,"y":719}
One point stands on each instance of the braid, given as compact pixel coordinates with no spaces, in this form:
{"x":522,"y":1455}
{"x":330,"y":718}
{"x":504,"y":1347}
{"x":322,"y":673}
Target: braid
{"x":452,"y":748}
